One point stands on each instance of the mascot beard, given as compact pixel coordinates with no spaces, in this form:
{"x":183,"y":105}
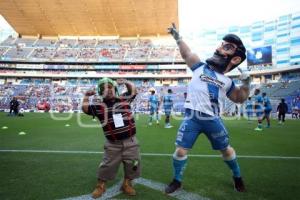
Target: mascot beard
{"x":219,"y":61}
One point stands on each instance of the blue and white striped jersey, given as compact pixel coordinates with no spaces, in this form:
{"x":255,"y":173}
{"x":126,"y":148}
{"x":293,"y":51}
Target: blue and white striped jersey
{"x":207,"y":89}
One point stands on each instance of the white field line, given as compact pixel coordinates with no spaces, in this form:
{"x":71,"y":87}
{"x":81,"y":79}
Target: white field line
{"x":109,"y":193}
{"x":180,"y":194}
{"x":115,"y":190}
{"x":144,"y":154}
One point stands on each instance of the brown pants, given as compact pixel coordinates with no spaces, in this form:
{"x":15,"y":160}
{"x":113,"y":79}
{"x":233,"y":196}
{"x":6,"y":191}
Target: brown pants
{"x":126,"y":151}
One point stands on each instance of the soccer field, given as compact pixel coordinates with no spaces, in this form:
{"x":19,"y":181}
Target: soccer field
{"x":55,"y":161}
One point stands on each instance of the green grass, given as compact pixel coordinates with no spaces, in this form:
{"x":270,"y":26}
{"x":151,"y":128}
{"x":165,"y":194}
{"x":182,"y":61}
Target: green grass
{"x":56,"y":176}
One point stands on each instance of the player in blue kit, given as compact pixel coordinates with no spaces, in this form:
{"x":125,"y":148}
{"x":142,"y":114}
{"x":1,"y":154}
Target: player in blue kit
{"x":258,"y":109}
{"x":153,"y":105}
{"x":267,"y":109}
{"x":207,"y":90}
{"x":168,"y":105}
{"x":249,"y":109}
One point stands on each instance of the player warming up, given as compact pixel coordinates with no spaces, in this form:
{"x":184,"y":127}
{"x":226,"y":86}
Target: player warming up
{"x":267,"y":109}
{"x":153,"y":106}
{"x":168,"y":105}
{"x":258,"y":109}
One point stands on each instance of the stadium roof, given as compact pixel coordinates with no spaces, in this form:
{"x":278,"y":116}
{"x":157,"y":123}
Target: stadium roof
{"x":90,"y":17}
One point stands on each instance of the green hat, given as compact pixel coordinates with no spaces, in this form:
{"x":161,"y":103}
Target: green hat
{"x":106,"y":80}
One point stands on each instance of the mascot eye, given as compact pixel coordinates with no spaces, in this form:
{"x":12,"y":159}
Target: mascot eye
{"x":228,"y":47}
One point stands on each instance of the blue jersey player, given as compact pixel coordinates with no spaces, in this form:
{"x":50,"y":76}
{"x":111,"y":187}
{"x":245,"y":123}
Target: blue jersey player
{"x":249,"y":108}
{"x":168,"y":105}
{"x":258,"y":109}
{"x":207,"y":90}
{"x":153,"y":106}
{"x":267,"y":109}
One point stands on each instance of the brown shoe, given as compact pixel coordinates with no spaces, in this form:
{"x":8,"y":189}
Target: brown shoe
{"x":127,"y":187}
{"x":99,"y":190}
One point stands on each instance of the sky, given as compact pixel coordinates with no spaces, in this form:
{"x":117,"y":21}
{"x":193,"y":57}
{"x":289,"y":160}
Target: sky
{"x":210,"y":14}
{"x":3,"y":23}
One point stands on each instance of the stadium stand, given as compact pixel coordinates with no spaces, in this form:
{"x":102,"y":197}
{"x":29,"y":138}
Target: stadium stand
{"x":120,"y":50}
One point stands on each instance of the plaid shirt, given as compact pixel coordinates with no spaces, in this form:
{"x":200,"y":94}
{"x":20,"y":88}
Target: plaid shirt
{"x":105,"y":110}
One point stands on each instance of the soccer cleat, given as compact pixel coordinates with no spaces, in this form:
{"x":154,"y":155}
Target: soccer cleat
{"x":127,"y":188}
{"x":150,"y":123}
{"x":173,"y":186}
{"x":258,"y":129}
{"x":157,"y":122}
{"x":268,"y":126}
{"x":168,"y":126}
{"x":239,"y":184}
{"x":99,"y":190}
